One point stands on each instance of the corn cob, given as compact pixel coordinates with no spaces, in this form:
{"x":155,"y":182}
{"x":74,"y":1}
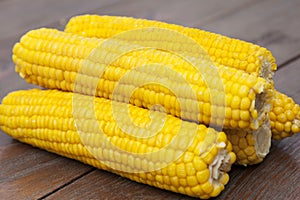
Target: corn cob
{"x":222,"y":50}
{"x":52,"y":59}
{"x":46,"y":119}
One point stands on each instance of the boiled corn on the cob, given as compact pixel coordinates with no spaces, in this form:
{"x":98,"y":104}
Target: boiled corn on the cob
{"x":46,"y":119}
{"x":55,"y":59}
{"x":222,"y":50}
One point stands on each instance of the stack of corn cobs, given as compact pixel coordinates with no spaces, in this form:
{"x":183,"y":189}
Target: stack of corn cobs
{"x":161,"y":104}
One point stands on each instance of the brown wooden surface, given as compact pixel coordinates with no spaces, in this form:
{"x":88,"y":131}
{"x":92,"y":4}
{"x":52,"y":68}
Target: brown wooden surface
{"x":30,"y":173}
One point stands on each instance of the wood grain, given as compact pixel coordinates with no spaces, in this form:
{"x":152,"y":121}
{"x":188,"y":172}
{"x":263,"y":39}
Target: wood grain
{"x":30,"y":173}
{"x":287,"y":80}
{"x":20,"y":16}
{"x":273,"y":24}
{"x":104,"y":185}
{"x":24,"y":15}
{"x":188,"y":12}
{"x":5,"y":140}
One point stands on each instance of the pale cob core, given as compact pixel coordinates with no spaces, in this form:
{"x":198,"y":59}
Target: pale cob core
{"x":45,"y":119}
{"x":251,"y":147}
{"x":223,"y":50}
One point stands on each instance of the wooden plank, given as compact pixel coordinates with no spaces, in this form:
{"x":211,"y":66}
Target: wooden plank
{"x":19,"y":16}
{"x":188,"y":12}
{"x":273,"y":24}
{"x":10,"y":81}
{"x":278,"y":177}
{"x":5,"y":140}
{"x":5,"y":53}
{"x":31,"y":173}
{"x":24,"y":15}
{"x":104,"y":185}
{"x":287,"y":80}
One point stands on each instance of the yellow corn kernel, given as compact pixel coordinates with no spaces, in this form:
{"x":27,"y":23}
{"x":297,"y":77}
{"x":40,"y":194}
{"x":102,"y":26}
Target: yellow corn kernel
{"x":203,"y":176}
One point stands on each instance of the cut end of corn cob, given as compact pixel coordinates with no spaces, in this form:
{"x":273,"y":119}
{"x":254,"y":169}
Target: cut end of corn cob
{"x":222,"y":163}
{"x":262,"y":105}
{"x":262,"y":138}
{"x":44,"y":118}
{"x":251,"y":147}
{"x":267,"y":70}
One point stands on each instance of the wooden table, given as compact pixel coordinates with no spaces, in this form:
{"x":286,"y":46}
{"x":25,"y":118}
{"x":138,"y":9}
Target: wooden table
{"x":31,"y":173}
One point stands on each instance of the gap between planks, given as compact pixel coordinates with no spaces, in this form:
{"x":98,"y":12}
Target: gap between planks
{"x":288,"y":62}
{"x":68,"y":183}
